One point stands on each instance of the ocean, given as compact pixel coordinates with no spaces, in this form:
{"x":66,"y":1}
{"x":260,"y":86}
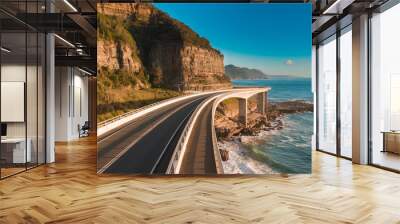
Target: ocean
{"x":283,"y":89}
{"x":287,"y":150}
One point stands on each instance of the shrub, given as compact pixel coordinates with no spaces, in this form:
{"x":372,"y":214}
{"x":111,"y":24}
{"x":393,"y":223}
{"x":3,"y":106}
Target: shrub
{"x":115,"y":29}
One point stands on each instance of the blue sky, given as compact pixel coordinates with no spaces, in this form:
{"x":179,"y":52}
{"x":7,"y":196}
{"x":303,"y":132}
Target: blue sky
{"x":275,"y":38}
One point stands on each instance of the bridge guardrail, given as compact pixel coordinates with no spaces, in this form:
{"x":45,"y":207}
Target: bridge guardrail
{"x":177,"y":156}
{"x":217,"y":154}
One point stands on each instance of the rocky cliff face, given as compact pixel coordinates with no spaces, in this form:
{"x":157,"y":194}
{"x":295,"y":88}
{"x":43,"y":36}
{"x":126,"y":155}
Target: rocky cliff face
{"x":125,"y":10}
{"x":187,"y":67}
{"x":170,"y":53}
{"x":117,"y":55}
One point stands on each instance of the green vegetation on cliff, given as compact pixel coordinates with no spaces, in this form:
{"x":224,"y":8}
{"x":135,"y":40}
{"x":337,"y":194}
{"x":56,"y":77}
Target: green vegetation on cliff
{"x":167,"y":26}
{"x":114,"y":29}
{"x":115,"y":79}
{"x":116,"y":88}
{"x":161,"y":27}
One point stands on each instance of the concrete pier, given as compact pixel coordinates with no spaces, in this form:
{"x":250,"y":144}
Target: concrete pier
{"x":261,"y":102}
{"x":243,"y":111}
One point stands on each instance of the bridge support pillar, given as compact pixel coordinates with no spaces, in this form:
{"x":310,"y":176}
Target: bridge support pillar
{"x":265,"y":102}
{"x":243,"y":111}
{"x":261,"y":102}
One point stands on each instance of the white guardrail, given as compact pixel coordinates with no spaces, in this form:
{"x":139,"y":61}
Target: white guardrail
{"x":119,"y":117}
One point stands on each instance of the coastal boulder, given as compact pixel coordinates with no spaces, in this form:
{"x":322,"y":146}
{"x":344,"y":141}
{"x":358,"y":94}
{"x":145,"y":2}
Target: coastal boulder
{"x":224,"y":154}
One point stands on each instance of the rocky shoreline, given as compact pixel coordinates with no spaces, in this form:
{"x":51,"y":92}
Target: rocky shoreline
{"x":231,"y":134}
{"x":227,"y":125}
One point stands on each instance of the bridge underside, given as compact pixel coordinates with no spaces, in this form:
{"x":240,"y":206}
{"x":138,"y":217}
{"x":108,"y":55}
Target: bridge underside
{"x":262,"y":104}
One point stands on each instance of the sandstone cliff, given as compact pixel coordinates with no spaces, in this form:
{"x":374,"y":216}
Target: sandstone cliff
{"x":186,"y":67}
{"x":117,"y":55}
{"x":166,"y":51}
{"x":125,"y":10}
{"x":120,"y":71}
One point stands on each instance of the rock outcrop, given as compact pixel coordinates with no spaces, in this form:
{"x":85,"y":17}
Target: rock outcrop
{"x":170,"y":54}
{"x":117,"y":55}
{"x":227,"y":123}
{"x":125,"y":10}
{"x":277,"y":109}
{"x":187,"y":67}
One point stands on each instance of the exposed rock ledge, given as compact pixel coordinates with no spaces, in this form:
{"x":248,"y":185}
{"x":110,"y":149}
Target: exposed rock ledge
{"x":228,"y":128}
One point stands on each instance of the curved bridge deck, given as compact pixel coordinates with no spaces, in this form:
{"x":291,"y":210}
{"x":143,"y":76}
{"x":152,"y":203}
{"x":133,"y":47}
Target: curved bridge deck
{"x":199,"y":156}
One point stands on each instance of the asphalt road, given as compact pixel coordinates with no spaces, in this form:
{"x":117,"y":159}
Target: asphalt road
{"x":147,"y":142}
{"x":199,"y":155}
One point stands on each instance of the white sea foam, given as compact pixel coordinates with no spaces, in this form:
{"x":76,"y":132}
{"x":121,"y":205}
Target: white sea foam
{"x":284,"y":150}
{"x":242,"y":149}
{"x":239,"y":161}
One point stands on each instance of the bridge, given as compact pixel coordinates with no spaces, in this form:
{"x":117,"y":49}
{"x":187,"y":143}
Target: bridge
{"x":174,"y":136}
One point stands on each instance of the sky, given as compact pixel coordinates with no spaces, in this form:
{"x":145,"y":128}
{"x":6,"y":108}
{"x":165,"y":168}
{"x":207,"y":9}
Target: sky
{"x":275,"y":38}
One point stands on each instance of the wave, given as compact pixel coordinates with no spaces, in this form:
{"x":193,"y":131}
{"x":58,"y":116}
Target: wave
{"x":240,"y":162}
{"x":277,"y":151}
{"x":287,"y":99}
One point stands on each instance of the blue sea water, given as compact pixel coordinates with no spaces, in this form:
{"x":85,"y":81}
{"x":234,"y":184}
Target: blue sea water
{"x":287,"y":150}
{"x":283,"y":89}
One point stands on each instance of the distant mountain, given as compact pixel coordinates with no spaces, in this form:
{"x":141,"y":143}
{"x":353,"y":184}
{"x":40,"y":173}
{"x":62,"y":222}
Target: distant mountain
{"x":235,"y":72}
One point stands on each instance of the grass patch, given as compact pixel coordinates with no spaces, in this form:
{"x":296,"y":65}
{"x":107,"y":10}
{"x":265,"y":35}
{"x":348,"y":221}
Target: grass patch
{"x":133,"y":99}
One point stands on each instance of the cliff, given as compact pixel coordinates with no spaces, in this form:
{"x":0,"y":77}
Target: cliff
{"x":235,"y":72}
{"x":165,"y":53}
{"x":124,"y":10}
{"x":120,"y":70}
